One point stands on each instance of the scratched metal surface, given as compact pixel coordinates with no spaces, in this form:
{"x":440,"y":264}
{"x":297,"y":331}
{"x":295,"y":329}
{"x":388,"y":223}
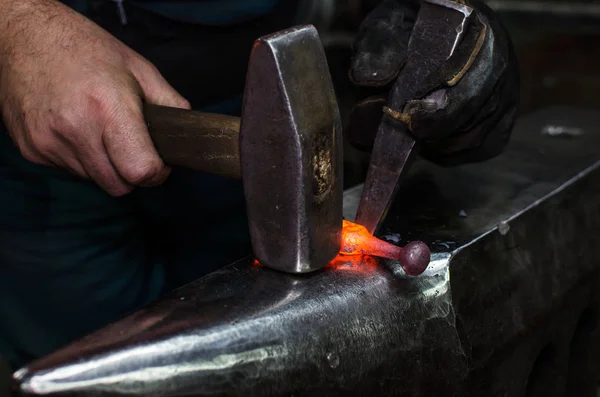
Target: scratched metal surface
{"x":364,"y":328}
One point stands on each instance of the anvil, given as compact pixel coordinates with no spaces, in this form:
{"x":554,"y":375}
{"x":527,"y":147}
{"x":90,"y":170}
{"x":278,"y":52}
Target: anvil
{"x":509,"y":299}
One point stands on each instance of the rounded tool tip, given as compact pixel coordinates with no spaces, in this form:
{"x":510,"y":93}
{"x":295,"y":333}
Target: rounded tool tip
{"x":416,"y":258}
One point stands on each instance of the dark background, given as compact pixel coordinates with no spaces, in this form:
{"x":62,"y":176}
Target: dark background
{"x":557,"y":43}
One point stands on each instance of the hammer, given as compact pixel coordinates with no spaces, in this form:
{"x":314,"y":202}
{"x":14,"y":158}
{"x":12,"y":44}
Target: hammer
{"x":286,"y":147}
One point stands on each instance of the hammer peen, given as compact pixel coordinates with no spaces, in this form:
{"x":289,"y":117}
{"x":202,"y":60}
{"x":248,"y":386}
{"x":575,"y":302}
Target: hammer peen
{"x":286,"y":147}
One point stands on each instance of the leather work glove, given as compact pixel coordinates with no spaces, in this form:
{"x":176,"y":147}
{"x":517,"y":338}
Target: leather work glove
{"x":468,"y":119}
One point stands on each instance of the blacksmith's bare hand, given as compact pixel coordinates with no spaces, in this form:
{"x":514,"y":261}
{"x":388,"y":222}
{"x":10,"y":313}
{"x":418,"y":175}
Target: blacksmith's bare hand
{"x":71,"y":96}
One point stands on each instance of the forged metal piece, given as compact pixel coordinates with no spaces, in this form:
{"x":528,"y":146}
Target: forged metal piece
{"x":291,"y":153}
{"x":508,"y":306}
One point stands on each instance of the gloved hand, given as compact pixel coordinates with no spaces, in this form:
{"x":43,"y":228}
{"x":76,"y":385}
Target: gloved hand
{"x":468,"y":120}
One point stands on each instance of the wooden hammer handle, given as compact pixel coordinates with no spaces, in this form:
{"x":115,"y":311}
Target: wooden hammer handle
{"x":207,"y":142}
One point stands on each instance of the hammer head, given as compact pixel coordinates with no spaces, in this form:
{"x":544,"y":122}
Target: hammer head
{"x":291,"y":152}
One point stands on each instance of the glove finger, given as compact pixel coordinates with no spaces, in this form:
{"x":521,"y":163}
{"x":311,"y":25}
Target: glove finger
{"x":480,"y":124}
{"x":364,"y":122}
{"x":380,"y":47}
{"x":486,"y":141}
{"x":489,"y":85}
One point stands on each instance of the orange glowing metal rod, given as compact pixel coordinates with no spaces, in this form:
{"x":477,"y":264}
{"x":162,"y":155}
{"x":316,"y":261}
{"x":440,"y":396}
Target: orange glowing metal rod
{"x":356,"y":240}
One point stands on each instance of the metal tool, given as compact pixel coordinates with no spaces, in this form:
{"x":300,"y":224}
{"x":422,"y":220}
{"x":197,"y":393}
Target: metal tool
{"x":287,"y":148}
{"x":438,"y":30}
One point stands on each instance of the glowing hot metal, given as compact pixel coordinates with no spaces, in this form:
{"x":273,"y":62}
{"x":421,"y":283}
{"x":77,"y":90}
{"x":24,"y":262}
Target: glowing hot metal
{"x":356,"y":240}
{"x":359,"y":246}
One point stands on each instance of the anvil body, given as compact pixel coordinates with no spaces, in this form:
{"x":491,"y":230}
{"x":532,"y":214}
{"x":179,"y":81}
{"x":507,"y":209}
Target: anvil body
{"x":508,"y":306}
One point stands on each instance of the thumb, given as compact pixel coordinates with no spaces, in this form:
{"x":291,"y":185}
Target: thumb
{"x":155,"y":88}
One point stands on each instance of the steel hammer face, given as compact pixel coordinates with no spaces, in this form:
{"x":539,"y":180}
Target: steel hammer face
{"x":291,"y":152}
